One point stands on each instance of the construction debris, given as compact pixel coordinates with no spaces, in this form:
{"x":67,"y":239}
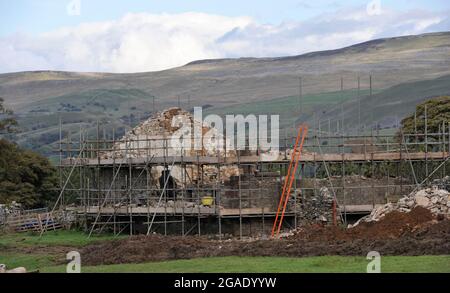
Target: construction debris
{"x":7,"y":210}
{"x":436,"y":200}
{"x":317,"y":208}
{"x":184,"y":205}
{"x":443,"y":183}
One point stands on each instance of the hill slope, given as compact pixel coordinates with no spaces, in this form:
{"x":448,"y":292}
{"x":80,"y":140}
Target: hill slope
{"x":121,"y":100}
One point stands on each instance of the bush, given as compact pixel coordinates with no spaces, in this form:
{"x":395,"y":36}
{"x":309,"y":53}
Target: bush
{"x":438,"y":112}
{"x":26,"y":177}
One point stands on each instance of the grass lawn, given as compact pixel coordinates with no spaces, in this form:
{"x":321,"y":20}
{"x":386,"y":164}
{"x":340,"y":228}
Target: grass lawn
{"x":318,"y":264}
{"x":26,"y":241}
{"x":30,"y":261}
{"x":24,"y":256}
{"x":52,"y":238}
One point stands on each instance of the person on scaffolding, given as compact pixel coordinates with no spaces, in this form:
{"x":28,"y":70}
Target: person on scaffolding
{"x":167,"y":180}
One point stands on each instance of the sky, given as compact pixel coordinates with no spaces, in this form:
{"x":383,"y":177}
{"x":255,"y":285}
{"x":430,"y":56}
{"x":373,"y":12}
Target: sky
{"x":152,"y":35}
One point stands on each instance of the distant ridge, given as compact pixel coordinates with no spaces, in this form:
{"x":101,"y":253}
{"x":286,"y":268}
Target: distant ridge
{"x":404,"y":69}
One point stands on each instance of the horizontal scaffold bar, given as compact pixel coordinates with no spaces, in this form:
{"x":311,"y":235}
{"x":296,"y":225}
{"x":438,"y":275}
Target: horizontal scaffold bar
{"x":306,"y":157}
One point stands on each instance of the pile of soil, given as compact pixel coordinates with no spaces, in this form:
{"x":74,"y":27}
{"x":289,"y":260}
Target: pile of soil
{"x":143,"y":248}
{"x":393,"y":225}
{"x":413,"y":233}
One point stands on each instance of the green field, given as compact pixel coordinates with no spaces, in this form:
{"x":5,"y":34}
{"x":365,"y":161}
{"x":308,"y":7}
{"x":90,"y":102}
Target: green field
{"x":318,"y":264}
{"x":383,"y":106}
{"x":51,"y":238}
{"x":113,"y":108}
{"x":289,"y":108}
{"x":17,"y":250}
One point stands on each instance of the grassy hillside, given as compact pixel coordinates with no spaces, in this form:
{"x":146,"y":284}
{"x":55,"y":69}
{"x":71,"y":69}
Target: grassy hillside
{"x":386,"y":108}
{"x":114,"y":109}
{"x":404,"y":70}
{"x":118,"y":110}
{"x":291,"y":109}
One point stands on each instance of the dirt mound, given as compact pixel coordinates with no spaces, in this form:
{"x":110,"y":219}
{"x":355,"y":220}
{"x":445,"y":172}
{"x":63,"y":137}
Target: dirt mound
{"x":413,"y":233}
{"x":146,"y":248}
{"x":436,"y":200}
{"x":393,"y":224}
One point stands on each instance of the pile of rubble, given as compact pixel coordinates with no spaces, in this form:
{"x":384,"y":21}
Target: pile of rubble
{"x":443,"y":183}
{"x":317,"y":208}
{"x":434,"y":199}
{"x":12,"y":209}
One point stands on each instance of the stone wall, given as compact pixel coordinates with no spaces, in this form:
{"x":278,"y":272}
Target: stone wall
{"x":316,"y":208}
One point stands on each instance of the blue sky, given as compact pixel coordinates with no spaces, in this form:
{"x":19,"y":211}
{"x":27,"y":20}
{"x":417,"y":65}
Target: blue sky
{"x":113,"y":32}
{"x":36,"y":16}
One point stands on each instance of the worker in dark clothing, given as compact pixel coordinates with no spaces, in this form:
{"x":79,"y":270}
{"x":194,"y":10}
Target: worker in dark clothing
{"x":169,"y":192}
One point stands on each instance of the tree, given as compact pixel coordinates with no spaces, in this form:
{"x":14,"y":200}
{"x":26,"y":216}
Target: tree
{"x":438,"y":113}
{"x":7,"y":124}
{"x":26,"y":177}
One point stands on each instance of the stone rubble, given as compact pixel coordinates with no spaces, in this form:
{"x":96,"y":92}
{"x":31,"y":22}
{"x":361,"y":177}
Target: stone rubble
{"x":436,"y":200}
{"x":12,"y":209}
{"x":317,"y":208}
{"x":443,"y":183}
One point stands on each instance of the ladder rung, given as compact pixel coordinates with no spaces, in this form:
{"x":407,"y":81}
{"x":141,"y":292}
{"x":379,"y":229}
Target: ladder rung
{"x":290,"y":177}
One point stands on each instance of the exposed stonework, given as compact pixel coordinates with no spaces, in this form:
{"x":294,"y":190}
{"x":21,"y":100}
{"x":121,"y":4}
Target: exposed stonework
{"x":443,"y":183}
{"x":316,"y":208}
{"x":153,"y":138}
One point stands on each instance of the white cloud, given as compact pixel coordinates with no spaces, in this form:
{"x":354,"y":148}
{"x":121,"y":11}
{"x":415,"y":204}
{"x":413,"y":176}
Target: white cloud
{"x":150,"y":42}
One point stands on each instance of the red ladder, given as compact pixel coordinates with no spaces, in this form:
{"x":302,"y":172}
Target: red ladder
{"x":290,"y":177}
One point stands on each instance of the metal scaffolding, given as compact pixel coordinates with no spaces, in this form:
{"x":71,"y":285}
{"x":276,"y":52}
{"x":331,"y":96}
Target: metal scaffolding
{"x":120,"y":193}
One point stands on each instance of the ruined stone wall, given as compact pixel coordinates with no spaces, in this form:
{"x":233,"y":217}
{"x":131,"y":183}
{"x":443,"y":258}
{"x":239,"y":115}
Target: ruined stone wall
{"x":153,"y":138}
{"x":255,"y":192}
{"x":358,"y":190}
{"x":317,"y":208}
